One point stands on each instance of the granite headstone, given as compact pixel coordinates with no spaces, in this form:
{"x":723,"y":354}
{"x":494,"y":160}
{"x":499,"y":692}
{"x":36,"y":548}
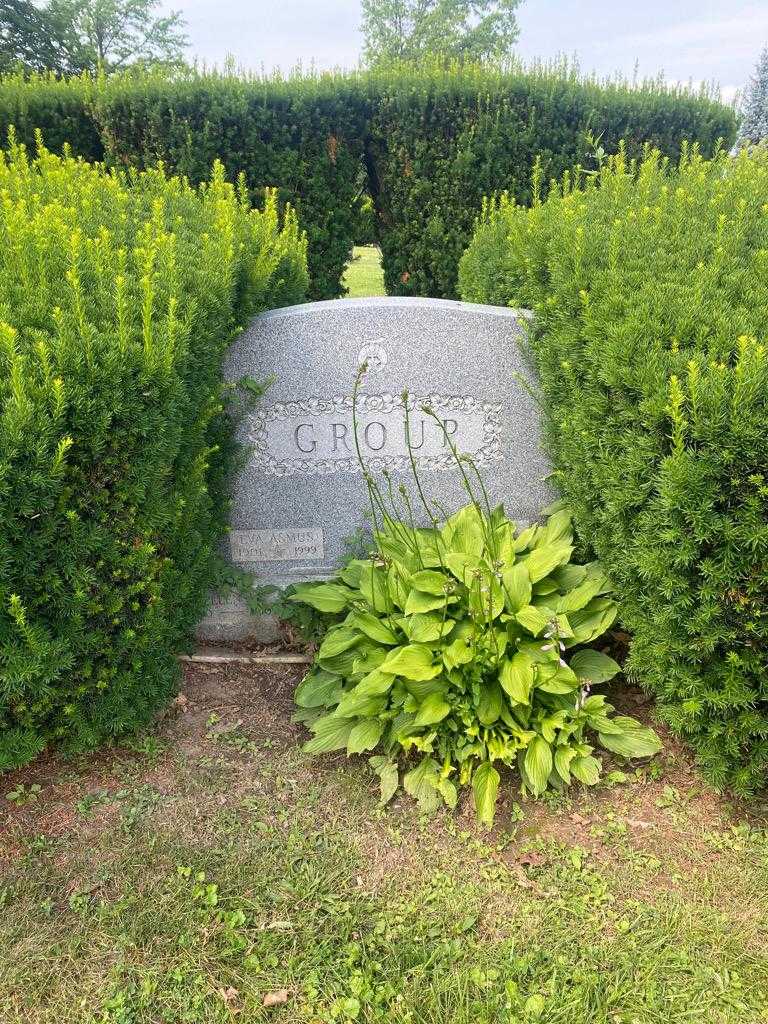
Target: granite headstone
{"x":301,"y":496}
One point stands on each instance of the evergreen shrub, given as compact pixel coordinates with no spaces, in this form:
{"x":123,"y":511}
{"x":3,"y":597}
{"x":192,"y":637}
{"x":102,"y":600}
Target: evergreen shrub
{"x":649,"y":284}
{"x":302,"y":135}
{"x":61,"y":108}
{"x":427,"y":143}
{"x":118,"y":297}
{"x":441,"y":139}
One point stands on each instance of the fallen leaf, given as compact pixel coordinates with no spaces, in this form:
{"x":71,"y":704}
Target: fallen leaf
{"x":531,"y":859}
{"x":276,"y":998}
{"x":522,"y":879}
{"x":229,"y":995}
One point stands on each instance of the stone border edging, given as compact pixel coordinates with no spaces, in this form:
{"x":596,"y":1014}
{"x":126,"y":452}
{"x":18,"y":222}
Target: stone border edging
{"x":223,"y":656}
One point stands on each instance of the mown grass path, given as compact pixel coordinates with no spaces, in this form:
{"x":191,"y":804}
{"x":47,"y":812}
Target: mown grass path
{"x":364,"y":275}
{"x":210,"y":872}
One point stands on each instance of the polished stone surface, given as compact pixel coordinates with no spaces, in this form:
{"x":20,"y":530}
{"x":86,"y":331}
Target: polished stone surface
{"x":300,"y":497}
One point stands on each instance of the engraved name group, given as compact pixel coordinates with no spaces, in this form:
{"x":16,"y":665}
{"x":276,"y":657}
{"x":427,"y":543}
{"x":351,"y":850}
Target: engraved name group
{"x":337,"y":437}
{"x":318,"y":435}
{"x":275,"y":545}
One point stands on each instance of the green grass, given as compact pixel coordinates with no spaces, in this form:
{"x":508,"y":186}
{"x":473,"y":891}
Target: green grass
{"x":214,"y":864}
{"x":364,"y":275}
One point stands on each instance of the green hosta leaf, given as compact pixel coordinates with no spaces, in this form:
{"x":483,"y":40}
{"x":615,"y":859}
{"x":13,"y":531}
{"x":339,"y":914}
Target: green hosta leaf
{"x":464,"y":531}
{"x":430,"y":546}
{"x":337,"y":640}
{"x":490,"y":704}
{"x":563,"y":680}
{"x":505,"y":543}
{"x":557,"y":506}
{"x":352,"y":572}
{"x":419,"y":602}
{"x":586,"y":769}
{"x":369,"y":657}
{"x":594,"y":667}
{"x":398,"y":583}
{"x":399,"y":727}
{"x":596,"y":703}
{"x":330,"y":733}
{"x":592,"y":621}
{"x":535,"y":620}
{"x":563,"y":758}
{"x":359,"y":705}
{"x":538,"y":764}
{"x":461,"y":565}
{"x":527,"y":538}
{"x":517,"y":587}
{"x":375,"y":683}
{"x":634,"y":740}
{"x":308,"y":716}
{"x":549,"y":725}
{"x":325,"y":597}
{"x":413,"y":662}
{"x":459,"y":652}
{"x":398,"y":545}
{"x":601,"y":723}
{"x":317,"y":689}
{"x":421,"y":688}
{"x":374,"y":588}
{"x":563,"y":627}
{"x":486,"y":598}
{"x":581,"y":596}
{"x":485,"y":786}
{"x":388,"y":777}
{"x":344,"y":663}
{"x":432,"y":710}
{"x":422,"y":783}
{"x":542,"y":560}
{"x":429,"y":581}
{"x":501,"y":640}
{"x":541,"y":652}
{"x":365,"y":735}
{"x":426,"y":627}
{"x":516,"y":677}
{"x":557,"y":529}
{"x":374,"y":627}
{"x":545,"y":587}
{"x":595,"y":571}
{"x":568,"y":577}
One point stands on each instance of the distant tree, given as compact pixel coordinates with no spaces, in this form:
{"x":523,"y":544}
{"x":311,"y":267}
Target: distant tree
{"x":27,"y":39}
{"x":754,"y":125}
{"x":455,"y":29}
{"x":69,"y":36}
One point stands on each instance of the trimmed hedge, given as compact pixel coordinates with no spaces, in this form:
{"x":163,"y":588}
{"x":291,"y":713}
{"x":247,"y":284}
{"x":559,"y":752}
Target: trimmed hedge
{"x":302,"y":135}
{"x":443,"y":139}
{"x":650,"y":289}
{"x":118,"y":297}
{"x":59,"y":108}
{"x":432,"y":142}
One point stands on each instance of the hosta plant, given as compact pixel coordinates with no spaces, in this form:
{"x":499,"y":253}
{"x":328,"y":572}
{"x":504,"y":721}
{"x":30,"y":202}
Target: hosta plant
{"x":463,"y":646}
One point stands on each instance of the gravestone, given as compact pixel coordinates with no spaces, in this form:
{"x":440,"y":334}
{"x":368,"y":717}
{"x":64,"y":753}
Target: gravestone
{"x":301,"y":496}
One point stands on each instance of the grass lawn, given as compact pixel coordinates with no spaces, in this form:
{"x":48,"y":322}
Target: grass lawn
{"x":211,"y":872}
{"x":364,"y":275}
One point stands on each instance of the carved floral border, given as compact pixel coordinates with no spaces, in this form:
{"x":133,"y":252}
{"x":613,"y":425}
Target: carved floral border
{"x":489,"y":451}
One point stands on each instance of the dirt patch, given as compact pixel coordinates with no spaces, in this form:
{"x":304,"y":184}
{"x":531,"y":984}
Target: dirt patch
{"x":260,"y":697}
{"x":228,"y":738}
